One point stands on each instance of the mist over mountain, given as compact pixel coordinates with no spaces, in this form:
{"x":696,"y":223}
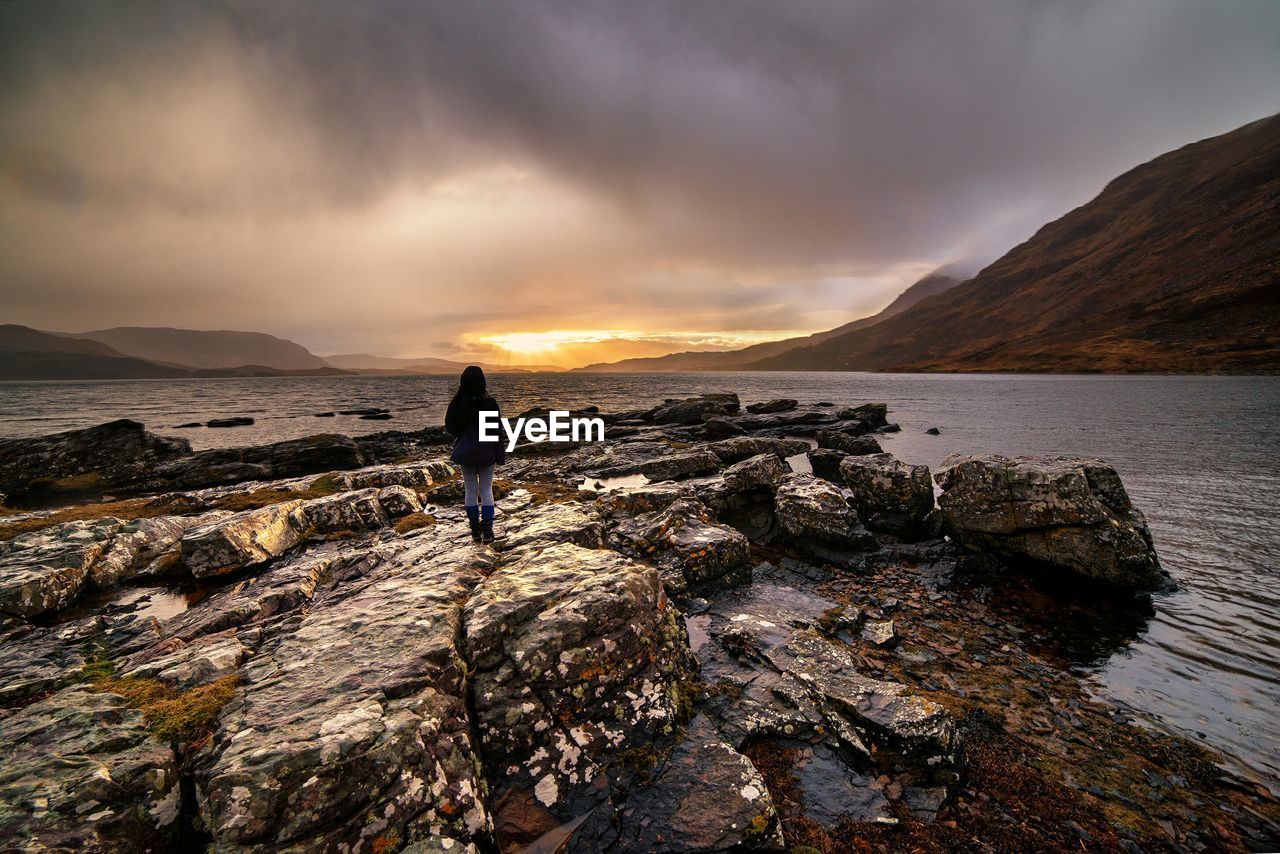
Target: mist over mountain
{"x":199,"y":348}
{"x":1174,"y":267}
{"x":732,"y":360}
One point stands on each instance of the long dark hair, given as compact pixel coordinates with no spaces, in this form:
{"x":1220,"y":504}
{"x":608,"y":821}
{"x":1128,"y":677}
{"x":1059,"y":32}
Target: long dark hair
{"x":471,"y":384}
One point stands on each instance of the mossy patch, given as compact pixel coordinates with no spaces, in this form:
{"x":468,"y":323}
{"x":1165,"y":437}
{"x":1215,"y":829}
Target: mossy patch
{"x":414,"y":522}
{"x":171,"y":715}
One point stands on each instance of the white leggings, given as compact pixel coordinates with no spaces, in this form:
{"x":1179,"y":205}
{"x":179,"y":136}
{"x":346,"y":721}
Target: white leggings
{"x":479,"y":481}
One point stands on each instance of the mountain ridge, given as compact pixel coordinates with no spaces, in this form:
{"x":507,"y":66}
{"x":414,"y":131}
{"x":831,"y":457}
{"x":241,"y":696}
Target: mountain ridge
{"x":1192,"y":236}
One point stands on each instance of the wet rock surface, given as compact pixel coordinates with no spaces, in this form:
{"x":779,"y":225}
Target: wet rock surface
{"x":891,"y":496}
{"x":82,"y":773}
{"x":685,"y":639}
{"x":1065,"y":514}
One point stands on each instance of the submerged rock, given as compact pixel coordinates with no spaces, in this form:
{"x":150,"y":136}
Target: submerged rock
{"x":1060,"y":513}
{"x":705,"y":797}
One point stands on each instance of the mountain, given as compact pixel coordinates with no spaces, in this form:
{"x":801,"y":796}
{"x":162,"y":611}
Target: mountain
{"x":1173,"y":267}
{"x":366,"y":363}
{"x":205,"y":349}
{"x":29,"y":354}
{"x":735,"y":360}
{"x":32,"y":355}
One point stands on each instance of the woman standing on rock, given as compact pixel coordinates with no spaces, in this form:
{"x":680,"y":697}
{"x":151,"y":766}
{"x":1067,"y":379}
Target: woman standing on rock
{"x":477,"y":458}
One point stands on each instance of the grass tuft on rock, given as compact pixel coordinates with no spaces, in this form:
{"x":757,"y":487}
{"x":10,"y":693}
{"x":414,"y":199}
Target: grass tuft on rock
{"x":171,"y":714}
{"x":413,"y":522}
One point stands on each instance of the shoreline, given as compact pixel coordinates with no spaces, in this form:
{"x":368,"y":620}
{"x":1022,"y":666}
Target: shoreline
{"x":959,"y":649}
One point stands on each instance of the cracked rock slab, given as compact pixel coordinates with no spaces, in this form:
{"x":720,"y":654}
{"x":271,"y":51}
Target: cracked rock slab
{"x":578,"y":657}
{"x":82,"y":773}
{"x":350,"y":731}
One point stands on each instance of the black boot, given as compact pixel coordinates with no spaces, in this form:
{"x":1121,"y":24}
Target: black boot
{"x":486,"y":531}
{"x":476,"y":532}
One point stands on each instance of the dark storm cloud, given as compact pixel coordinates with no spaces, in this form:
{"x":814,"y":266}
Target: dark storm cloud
{"x":743,"y":148}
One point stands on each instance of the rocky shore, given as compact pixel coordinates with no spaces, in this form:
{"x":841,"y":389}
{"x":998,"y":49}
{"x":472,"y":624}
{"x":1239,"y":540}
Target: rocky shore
{"x":724,"y":627}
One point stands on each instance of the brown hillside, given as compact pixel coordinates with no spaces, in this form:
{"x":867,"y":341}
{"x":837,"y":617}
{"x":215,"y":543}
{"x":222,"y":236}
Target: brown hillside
{"x":1174,"y":267}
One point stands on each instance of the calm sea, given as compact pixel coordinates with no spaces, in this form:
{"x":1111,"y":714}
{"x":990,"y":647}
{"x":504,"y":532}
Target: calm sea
{"x":1199,"y":455}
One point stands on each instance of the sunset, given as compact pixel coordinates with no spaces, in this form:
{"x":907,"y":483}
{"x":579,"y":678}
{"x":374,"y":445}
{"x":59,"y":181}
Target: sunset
{"x":638,"y":426}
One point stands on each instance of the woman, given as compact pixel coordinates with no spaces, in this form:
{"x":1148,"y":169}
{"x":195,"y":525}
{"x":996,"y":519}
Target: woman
{"x":476,"y":458}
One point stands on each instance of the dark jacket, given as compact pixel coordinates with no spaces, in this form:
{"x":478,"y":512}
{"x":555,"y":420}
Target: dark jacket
{"x":463,"y":423}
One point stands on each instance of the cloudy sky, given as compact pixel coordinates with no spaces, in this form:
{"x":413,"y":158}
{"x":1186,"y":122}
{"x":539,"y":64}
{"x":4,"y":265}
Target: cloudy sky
{"x":562,"y":182}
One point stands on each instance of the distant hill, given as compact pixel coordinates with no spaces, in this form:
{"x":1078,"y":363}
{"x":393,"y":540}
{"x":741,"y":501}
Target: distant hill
{"x":736,"y":360}
{"x":1173,"y":267}
{"x":33,"y":355}
{"x":29,"y":354}
{"x":207,"y":349}
{"x":366,"y":363}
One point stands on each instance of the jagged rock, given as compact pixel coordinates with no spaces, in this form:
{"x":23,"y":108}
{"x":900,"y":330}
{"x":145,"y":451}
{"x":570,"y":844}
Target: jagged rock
{"x":633,"y":500}
{"x":721,"y":428}
{"x":872,"y":416}
{"x":39,"y":660}
{"x":45,"y":570}
{"x":781,"y":404}
{"x":761,"y":470}
{"x":670,"y":467}
{"x":256,"y":536}
{"x":705,"y":797}
{"x":694,"y":410}
{"x":852,"y":445}
{"x":344,"y":511}
{"x":880,"y":632}
{"x":82,"y":773}
{"x":244,"y":539}
{"x":323,"y":452}
{"x":810,"y":508}
{"x":145,"y":547}
{"x":397,"y":501}
{"x":570,"y":522}
{"x":578,"y":657}
{"x":825,"y":463}
{"x":685,"y":543}
{"x":112,"y":456}
{"x":890,"y":495}
{"x":736,"y":450}
{"x":350,"y":732}
{"x":272,"y":595}
{"x":787,"y":423}
{"x":196,"y":663}
{"x":1060,"y":513}
{"x":420,"y":476}
{"x":933,"y":431}
{"x":880,"y":711}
